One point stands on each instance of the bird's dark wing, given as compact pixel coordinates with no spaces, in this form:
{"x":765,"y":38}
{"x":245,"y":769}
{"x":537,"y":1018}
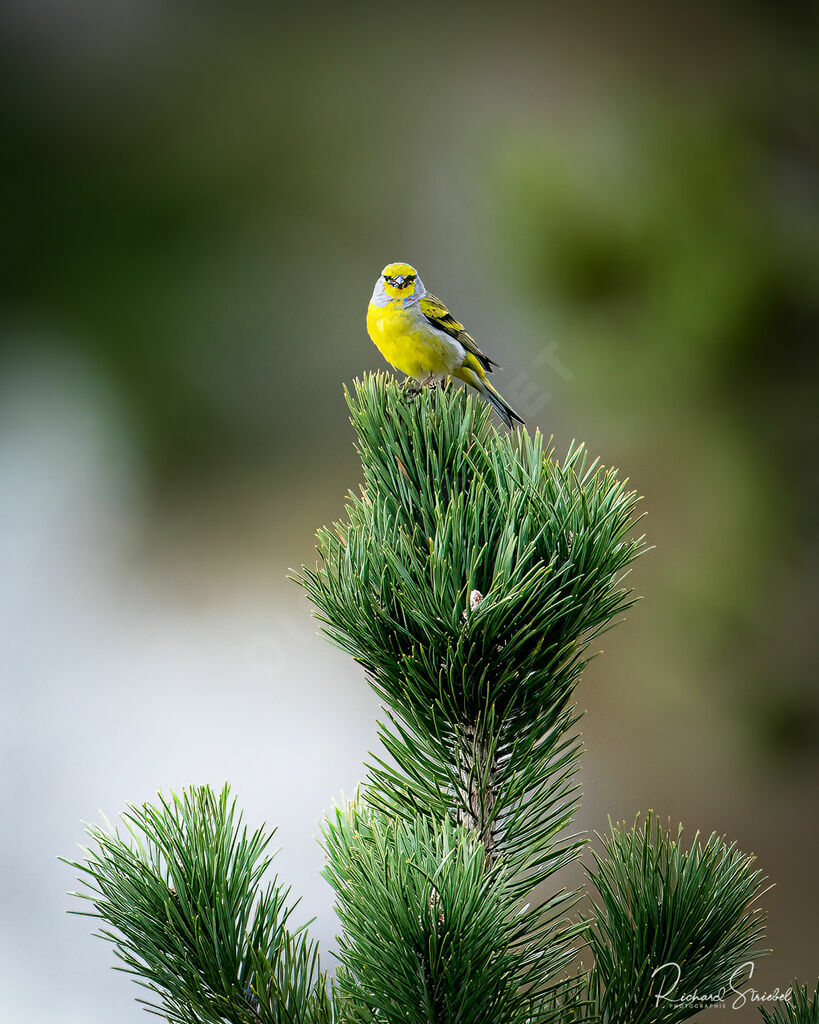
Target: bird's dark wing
{"x":439,"y":316}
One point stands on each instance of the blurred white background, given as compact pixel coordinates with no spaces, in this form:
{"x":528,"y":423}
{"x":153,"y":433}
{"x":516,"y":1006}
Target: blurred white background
{"x":131,"y":664}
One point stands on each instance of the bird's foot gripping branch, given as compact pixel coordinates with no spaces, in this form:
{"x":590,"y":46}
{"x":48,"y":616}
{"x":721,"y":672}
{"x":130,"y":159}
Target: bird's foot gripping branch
{"x":468,"y":577}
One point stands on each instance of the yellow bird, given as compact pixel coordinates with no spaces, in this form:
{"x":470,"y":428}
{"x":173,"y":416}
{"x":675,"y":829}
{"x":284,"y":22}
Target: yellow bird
{"x":417,"y":334}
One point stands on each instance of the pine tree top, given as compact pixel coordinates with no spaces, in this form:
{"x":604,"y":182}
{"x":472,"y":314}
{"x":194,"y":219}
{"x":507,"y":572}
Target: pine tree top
{"x":468,"y":577}
{"x":472,"y":568}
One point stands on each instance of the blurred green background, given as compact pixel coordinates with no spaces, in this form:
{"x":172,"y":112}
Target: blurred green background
{"x":621,"y":201}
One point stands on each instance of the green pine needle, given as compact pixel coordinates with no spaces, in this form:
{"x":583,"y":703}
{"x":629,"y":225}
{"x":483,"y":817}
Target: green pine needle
{"x":432,"y":932}
{"x":801,"y":1008}
{"x":185,"y":905}
{"x":662,"y":903}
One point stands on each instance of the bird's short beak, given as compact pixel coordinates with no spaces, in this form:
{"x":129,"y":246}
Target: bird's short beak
{"x":399,"y":281}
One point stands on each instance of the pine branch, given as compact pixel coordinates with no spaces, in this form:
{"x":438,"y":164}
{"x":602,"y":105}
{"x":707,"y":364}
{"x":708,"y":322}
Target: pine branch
{"x":183,"y":897}
{"x":801,"y":1008}
{"x":573,"y":1000}
{"x":432,"y":930}
{"x":665,"y":911}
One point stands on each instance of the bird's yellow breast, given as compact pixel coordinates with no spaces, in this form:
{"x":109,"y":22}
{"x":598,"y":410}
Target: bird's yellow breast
{"x":408,"y":345}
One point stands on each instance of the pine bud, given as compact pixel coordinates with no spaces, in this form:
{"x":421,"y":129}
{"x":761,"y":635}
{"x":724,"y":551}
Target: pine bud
{"x":475,"y":599}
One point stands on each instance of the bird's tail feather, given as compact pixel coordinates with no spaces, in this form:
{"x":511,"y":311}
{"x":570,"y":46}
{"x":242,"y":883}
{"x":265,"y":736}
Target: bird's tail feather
{"x":476,"y":376}
{"x":498,"y":402}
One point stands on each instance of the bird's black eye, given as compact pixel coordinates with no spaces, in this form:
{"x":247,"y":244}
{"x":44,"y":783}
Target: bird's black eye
{"x":409,"y":278}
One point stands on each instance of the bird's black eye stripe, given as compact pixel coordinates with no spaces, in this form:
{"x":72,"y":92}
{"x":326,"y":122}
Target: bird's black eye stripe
{"x":407,"y":280}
